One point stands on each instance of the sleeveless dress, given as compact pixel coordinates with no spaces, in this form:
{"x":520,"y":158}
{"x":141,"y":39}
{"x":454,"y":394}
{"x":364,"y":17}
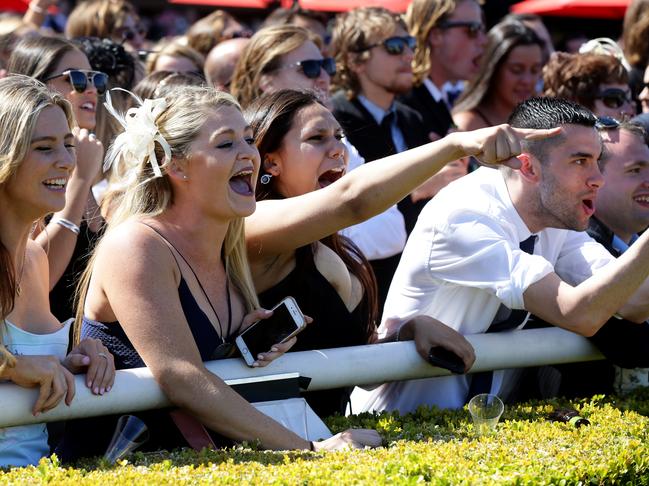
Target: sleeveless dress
{"x":333,"y":325}
{"x":163,"y":433}
{"x":26,"y":444}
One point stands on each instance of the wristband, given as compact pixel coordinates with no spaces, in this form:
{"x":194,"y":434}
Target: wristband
{"x":67,"y":224}
{"x":37,"y":9}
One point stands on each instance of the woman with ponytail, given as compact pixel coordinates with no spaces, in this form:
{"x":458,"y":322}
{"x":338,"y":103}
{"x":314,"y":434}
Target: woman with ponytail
{"x":36,"y":159}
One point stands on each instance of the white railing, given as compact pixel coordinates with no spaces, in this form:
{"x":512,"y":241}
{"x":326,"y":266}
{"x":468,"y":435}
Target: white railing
{"x":136,"y":389}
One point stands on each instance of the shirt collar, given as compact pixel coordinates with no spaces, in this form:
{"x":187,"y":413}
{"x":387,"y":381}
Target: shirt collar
{"x":619,"y":244}
{"x":376,"y":111}
{"x":522,"y":231}
{"x":435,"y":92}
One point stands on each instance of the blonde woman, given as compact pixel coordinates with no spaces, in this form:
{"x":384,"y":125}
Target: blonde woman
{"x":185,"y":290}
{"x":36,"y":160}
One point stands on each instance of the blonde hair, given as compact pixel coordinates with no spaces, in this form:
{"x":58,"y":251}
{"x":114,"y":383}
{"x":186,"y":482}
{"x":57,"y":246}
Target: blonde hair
{"x":262,"y":55}
{"x":22,"y":100}
{"x":635,"y":31}
{"x":174,"y":49}
{"x":144,"y":195}
{"x":207,"y":32}
{"x":98,"y":18}
{"x":352,"y":33}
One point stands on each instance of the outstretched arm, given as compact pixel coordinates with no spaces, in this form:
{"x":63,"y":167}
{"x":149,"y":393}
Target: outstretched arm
{"x":280,"y":226}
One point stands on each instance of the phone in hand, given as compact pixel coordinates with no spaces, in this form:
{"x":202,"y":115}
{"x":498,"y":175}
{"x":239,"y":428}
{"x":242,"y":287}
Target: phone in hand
{"x":443,"y":358}
{"x":287,"y":320}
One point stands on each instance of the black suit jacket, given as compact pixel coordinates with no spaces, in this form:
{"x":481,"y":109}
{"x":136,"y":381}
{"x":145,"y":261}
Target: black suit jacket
{"x":364,"y":133}
{"x":602,"y":235}
{"x":435,"y":114}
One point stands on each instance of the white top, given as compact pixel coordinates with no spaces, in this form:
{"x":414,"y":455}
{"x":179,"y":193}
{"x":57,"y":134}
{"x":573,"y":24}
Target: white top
{"x":26,"y":444}
{"x":381,"y":236}
{"x":461,"y":262}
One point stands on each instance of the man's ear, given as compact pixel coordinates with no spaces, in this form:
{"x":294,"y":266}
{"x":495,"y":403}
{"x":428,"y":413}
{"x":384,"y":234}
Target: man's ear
{"x":354,"y":63}
{"x":530,"y":167}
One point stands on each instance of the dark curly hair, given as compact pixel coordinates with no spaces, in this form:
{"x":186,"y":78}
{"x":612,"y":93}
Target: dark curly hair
{"x":577,"y":77}
{"x":109,"y":57}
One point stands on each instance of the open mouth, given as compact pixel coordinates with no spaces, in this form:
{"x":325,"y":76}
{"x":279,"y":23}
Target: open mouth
{"x":589,"y":206}
{"x":88,"y":106}
{"x":56,"y":184}
{"x":241,"y":182}
{"x":330,"y":176}
{"x":643,"y":200}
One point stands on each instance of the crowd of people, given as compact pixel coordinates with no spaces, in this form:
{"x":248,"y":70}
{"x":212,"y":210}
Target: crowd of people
{"x":403,"y":177}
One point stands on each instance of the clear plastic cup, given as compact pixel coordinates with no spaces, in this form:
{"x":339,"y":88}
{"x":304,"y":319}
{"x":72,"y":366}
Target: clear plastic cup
{"x":130,"y":433}
{"x":486,"y":410}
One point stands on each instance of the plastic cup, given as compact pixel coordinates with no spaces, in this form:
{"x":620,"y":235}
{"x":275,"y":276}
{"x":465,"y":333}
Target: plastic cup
{"x":130,"y":433}
{"x":486,"y":410}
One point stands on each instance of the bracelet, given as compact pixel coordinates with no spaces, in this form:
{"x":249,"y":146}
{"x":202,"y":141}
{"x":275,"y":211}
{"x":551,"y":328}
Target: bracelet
{"x":37,"y":9}
{"x":67,"y":224}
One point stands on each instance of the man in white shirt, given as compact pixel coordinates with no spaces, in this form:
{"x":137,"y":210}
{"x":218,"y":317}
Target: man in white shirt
{"x":464,"y":260}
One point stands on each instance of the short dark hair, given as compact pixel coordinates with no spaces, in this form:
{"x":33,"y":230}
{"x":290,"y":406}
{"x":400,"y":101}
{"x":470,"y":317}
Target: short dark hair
{"x":546,"y":113}
{"x":634,"y":128}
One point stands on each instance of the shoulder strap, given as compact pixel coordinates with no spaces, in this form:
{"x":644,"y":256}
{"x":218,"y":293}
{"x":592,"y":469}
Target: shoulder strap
{"x":170,"y":246}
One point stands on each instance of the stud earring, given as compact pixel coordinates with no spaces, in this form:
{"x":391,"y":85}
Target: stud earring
{"x":265,"y":179}
{"x":185,"y":177}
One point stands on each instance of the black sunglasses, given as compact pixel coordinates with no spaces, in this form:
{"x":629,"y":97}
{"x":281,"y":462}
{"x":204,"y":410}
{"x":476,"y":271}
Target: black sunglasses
{"x":473,"y":29}
{"x":606,"y":123}
{"x":395,"y":45}
{"x":614,"y":97}
{"x":311,"y":67}
{"x":79,"y":80}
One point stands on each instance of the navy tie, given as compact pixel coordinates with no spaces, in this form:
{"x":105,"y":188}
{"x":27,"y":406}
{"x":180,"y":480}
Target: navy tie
{"x":481,"y":382}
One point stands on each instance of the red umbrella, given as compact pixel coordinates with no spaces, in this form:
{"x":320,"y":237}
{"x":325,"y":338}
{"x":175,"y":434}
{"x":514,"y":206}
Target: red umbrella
{"x":601,"y":9}
{"x":19,"y":6}
{"x":398,"y":6}
{"x":228,"y":3}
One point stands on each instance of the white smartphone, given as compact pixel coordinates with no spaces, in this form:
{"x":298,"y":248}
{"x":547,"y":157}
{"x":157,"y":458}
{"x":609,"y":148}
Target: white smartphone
{"x":287,"y":320}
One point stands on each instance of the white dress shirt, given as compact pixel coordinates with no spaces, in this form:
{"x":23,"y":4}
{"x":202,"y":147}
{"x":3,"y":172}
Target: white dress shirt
{"x":381,"y":236}
{"x":461,"y":262}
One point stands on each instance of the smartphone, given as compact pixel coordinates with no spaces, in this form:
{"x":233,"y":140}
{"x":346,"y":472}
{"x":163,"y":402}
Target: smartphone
{"x":287,"y":320}
{"x":443,"y":358}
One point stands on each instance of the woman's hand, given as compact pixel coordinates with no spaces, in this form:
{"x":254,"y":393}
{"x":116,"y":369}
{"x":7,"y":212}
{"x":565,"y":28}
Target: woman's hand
{"x":93,"y":357}
{"x":350,"y":439}
{"x":428,"y":332}
{"x":47,"y":373}
{"x":500,"y":144}
{"x":90,"y":155}
{"x":278,"y":349}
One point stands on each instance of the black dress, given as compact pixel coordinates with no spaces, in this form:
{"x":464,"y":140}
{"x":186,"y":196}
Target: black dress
{"x":333,"y":325}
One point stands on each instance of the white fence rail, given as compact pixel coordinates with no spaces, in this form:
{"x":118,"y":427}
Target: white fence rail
{"x":136,"y":389}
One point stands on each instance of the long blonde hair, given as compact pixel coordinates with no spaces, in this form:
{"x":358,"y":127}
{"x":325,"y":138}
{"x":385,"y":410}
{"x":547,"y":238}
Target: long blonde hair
{"x":22,"y":100}
{"x":144,"y":195}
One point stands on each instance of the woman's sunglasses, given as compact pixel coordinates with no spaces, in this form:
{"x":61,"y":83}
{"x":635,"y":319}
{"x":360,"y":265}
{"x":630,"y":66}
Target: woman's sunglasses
{"x":311,"y":67}
{"x":473,"y":29}
{"x":614,"y":97}
{"x":79,"y":80}
{"x":607,"y":123}
{"x":395,"y":45}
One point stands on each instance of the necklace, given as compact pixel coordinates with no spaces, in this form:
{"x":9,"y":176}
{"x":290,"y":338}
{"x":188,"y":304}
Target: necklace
{"x":20,"y":277}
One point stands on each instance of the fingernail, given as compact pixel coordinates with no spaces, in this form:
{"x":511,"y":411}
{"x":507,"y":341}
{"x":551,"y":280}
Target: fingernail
{"x":274,"y":349}
{"x":107,"y":389}
{"x":101,"y":391}
{"x":88,"y":383}
{"x":260,"y":356}
{"x":95,"y":390}
{"x":255,"y":365}
{"x":85,"y":360}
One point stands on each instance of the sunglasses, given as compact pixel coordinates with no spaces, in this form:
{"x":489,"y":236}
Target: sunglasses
{"x":606,"y":123}
{"x":614,"y":97}
{"x":395,"y":45}
{"x":473,"y":29}
{"x":130,"y":33}
{"x":311,"y":67}
{"x":79,"y":80}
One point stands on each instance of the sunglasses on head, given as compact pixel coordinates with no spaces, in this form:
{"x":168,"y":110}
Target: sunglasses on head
{"x":606,"y":123}
{"x":614,"y":97}
{"x":79,"y":80}
{"x":311,"y":67}
{"x":473,"y":29}
{"x":395,"y":45}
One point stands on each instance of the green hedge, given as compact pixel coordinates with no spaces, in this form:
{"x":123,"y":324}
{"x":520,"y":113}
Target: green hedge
{"x":427,"y":446}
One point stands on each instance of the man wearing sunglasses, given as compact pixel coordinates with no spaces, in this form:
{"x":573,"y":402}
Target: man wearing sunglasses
{"x":373,"y":55}
{"x":450,"y":40}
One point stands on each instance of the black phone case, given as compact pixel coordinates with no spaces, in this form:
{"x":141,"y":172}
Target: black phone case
{"x":443,"y":358}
